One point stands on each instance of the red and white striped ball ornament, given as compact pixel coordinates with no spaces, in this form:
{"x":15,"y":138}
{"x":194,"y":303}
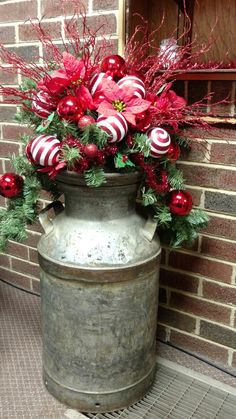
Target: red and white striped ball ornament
{"x":136,"y":83}
{"x":95,"y":84}
{"x":115,"y":126}
{"x":45,"y":150}
{"x":159,"y":142}
{"x":42,"y":104}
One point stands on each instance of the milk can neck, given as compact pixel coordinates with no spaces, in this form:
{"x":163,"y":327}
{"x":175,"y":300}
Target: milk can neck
{"x":100,"y":203}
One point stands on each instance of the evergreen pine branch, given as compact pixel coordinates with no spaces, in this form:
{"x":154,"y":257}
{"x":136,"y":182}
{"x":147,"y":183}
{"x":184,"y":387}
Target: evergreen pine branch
{"x":95,"y":177}
{"x":162,"y":216}
{"x":186,"y":228}
{"x":184,"y":142}
{"x":93,"y":134}
{"x":175,"y":177}
{"x":141,"y":144}
{"x":70,"y":155}
{"x":149,"y":196}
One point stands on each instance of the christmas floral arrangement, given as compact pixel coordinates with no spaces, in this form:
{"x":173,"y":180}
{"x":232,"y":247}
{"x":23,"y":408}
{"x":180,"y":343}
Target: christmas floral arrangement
{"x":92,"y":112}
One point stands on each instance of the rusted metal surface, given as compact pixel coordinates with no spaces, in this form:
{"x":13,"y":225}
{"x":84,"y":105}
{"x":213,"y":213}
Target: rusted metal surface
{"x":99,"y":287}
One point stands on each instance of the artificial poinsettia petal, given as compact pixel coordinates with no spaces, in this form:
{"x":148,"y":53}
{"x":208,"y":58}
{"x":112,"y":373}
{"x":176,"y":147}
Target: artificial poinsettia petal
{"x":110,"y":89}
{"x":130,"y":118}
{"x":85,"y":98}
{"x":73,"y":67}
{"x":106,"y":108}
{"x":136,"y":106}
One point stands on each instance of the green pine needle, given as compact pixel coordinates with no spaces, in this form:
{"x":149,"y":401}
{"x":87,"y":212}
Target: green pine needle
{"x":95,"y":177}
{"x":93,"y":134}
{"x":141,"y":144}
{"x":149,"y":197}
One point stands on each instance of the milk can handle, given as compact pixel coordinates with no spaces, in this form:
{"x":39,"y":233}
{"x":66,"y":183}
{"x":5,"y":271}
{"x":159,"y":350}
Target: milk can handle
{"x":149,"y":229}
{"x":44,"y":219}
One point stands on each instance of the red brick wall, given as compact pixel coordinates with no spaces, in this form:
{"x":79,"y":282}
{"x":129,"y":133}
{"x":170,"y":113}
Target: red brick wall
{"x":198,"y":293}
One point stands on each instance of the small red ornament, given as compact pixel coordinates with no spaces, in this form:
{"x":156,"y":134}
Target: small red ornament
{"x":180,"y":202}
{"x":11,"y":185}
{"x":69,"y":108}
{"x":114,"y":65}
{"x":90,"y":151}
{"x":85,"y":120}
{"x":174,"y":151}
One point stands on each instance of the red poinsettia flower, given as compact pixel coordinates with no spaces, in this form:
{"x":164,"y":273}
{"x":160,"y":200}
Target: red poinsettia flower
{"x":85,"y":98}
{"x":123,"y":100}
{"x":75,"y":70}
{"x":54,"y":83}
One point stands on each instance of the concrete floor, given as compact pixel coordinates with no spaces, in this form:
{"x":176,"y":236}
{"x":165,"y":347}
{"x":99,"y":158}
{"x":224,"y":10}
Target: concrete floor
{"x":22,"y":393}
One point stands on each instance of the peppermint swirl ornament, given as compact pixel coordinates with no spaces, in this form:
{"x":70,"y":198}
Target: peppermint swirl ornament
{"x":42,"y":104}
{"x":44,"y":150}
{"x":136,"y":83}
{"x":115,"y":126}
{"x":159,"y":142}
{"x":96,"y":82}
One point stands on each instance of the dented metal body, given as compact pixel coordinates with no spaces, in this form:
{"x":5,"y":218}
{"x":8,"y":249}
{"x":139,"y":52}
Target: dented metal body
{"x":99,"y":288}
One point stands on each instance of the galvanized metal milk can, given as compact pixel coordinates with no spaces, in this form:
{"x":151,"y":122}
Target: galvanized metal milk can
{"x":99,"y":289}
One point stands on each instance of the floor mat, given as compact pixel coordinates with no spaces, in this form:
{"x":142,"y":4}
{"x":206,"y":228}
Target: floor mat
{"x":178,"y":393}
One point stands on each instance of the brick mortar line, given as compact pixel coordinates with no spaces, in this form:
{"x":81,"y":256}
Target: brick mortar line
{"x":198,"y":276}
{"x":197,"y":336}
{"x":218,"y":238}
{"x":23,"y":260}
{"x":90,"y":6}
{"x":220,"y":215}
{"x":230,"y":356}
{"x":19,"y":273}
{"x":222,"y":141}
{"x":207,"y":189}
{"x":197,"y":327}
{"x":205,"y":257}
{"x":197,"y":297}
{"x":232,"y":315}
{"x":210,"y":165}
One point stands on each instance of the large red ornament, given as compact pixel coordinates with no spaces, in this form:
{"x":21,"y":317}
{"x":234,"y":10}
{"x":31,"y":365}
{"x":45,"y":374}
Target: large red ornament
{"x":42,"y":104}
{"x":114,"y":66}
{"x":180,"y":202}
{"x":44,"y":150}
{"x":11,"y":185}
{"x":134,"y":82}
{"x":85,"y":120}
{"x":159,"y":142}
{"x":173,"y":152}
{"x":69,"y":108}
{"x":115,"y":126}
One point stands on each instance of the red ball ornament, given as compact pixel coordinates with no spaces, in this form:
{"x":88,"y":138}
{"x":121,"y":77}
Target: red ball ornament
{"x":143,"y":121}
{"x":44,"y":150}
{"x":115,"y":126}
{"x":69,"y":108}
{"x":159,"y":142}
{"x":114,"y":66}
{"x":98,"y":98}
{"x":134,"y":82}
{"x":85,"y":120}
{"x":180,"y":202}
{"x":174,"y":151}
{"x":11,"y":185}
{"x":90,"y":151}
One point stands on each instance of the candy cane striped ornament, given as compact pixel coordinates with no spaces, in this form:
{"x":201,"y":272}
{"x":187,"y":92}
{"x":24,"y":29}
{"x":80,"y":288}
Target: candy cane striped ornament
{"x":45,"y":150}
{"x":96,"y":82}
{"x":42,"y":104}
{"x":159,"y":142}
{"x":134,"y":82}
{"x":115,"y":126}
